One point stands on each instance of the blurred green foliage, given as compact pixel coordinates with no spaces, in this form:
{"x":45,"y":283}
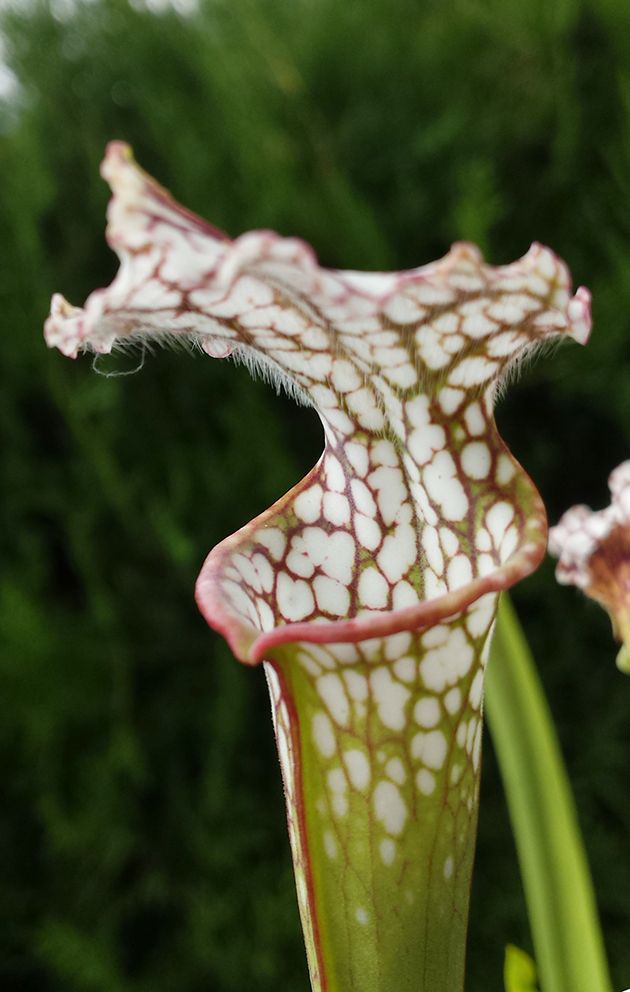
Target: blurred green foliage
{"x":142,"y":835}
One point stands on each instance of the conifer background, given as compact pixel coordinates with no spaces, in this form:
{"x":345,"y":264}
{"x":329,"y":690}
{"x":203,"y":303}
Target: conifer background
{"x":142,"y":838}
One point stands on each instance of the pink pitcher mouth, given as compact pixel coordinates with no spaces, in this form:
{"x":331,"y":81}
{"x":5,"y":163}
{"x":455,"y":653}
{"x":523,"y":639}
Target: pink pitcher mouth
{"x":251,"y":646}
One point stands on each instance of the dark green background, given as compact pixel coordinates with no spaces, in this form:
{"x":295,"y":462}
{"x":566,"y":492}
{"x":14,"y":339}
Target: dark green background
{"x":142,"y":839}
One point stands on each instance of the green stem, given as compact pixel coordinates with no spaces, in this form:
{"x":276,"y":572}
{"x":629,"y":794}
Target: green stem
{"x":379,"y":744}
{"x":558,"y":888}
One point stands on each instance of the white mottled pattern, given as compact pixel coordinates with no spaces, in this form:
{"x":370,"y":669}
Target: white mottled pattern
{"x":414,"y":499}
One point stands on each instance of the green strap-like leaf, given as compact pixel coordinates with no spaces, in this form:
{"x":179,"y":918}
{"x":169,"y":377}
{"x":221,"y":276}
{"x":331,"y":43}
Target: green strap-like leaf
{"x":558,"y":888}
